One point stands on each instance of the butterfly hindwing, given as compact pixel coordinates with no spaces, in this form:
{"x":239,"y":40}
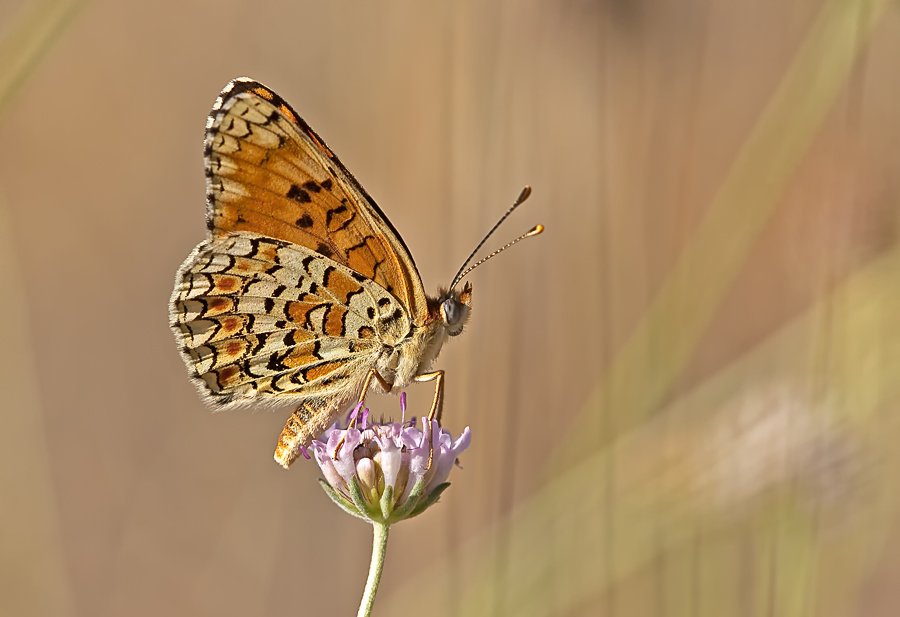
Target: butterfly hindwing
{"x":265,"y":320}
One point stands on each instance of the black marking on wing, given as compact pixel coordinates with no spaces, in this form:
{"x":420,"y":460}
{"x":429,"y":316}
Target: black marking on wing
{"x":327,"y":275}
{"x":328,"y":309}
{"x":230,"y":130}
{"x":345,"y":223}
{"x":260,"y":343}
{"x":393,"y":317}
{"x":307,"y":319}
{"x":357,"y":246}
{"x":333,"y":377}
{"x":354,"y":293}
{"x":254,"y":248}
{"x":274,"y":385}
{"x":332,"y":212}
{"x":298,"y":194}
{"x":247,"y":368}
{"x":276,"y":362}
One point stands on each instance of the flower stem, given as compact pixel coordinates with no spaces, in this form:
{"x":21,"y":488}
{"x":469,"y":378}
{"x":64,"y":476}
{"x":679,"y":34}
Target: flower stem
{"x":379,"y":548}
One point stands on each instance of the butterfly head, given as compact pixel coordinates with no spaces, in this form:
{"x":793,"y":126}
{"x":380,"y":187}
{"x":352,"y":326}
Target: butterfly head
{"x":452,"y":308}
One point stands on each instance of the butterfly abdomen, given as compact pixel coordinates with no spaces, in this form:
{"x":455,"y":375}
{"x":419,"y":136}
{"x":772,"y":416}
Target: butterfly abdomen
{"x":306,"y":423}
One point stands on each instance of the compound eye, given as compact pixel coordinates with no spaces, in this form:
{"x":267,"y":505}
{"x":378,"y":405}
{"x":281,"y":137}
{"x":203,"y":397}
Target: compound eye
{"x":450,"y":311}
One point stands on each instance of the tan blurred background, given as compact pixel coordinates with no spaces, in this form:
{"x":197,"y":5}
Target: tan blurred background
{"x":682,"y":396}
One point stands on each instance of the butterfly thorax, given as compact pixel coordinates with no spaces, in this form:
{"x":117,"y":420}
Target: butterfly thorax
{"x":447,"y":314}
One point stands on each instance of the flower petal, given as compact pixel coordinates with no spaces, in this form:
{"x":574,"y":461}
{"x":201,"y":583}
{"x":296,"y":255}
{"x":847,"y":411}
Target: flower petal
{"x":390,"y":459}
{"x":344,"y":462}
{"x":448,"y":456}
{"x":325,"y":463}
{"x":418,"y":459}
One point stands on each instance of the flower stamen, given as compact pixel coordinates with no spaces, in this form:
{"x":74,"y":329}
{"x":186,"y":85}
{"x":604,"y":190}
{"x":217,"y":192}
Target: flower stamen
{"x":350,"y":424}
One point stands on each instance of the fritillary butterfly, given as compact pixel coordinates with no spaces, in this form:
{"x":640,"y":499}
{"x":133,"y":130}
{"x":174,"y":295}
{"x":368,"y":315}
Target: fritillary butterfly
{"x":303,"y":291}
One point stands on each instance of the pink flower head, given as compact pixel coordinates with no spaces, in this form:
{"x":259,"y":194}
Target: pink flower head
{"x":381,"y":471}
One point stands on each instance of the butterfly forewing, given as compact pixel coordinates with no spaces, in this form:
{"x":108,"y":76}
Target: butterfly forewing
{"x":269,"y":173}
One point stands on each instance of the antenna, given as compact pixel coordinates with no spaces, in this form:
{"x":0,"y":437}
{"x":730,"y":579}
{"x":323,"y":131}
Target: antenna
{"x":537,"y":229}
{"x":525,"y":194}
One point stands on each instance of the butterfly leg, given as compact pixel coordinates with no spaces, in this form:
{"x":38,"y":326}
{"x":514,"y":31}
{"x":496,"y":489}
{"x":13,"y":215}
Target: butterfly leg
{"x":437,"y":405}
{"x":362,"y":396}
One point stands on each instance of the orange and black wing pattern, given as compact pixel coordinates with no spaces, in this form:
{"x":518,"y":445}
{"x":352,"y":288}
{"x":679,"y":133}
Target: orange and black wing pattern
{"x":269,"y":173}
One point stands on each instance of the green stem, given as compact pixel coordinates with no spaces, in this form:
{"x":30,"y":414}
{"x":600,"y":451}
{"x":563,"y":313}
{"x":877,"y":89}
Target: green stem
{"x":379,"y":548}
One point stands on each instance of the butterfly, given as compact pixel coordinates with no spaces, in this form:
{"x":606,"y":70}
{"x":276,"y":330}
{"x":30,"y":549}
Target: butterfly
{"x":303,"y":291}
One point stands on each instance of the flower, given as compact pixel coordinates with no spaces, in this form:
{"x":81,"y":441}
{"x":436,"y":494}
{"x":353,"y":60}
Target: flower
{"x":380,"y":471}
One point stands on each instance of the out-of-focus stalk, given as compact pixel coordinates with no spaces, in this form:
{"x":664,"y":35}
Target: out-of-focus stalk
{"x":24,"y":43}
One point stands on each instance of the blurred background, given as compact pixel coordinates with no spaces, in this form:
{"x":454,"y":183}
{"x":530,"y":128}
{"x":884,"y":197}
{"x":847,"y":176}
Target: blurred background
{"x":683,"y":396}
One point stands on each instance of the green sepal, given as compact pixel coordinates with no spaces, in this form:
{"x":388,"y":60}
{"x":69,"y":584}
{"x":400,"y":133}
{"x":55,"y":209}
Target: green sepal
{"x":341,"y":501}
{"x":387,"y":502}
{"x":429,"y":499}
{"x":414,"y":495}
{"x":371,"y":512}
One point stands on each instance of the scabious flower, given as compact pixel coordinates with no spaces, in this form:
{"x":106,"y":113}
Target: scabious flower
{"x":385,"y":472}
{"x":380,"y":471}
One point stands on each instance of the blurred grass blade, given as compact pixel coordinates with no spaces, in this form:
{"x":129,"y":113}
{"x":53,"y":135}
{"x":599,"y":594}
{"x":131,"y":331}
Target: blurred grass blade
{"x":700,"y":543}
{"x":24,"y":43}
{"x":650,"y":361}
{"x":639,"y":486}
{"x":33,"y":575}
